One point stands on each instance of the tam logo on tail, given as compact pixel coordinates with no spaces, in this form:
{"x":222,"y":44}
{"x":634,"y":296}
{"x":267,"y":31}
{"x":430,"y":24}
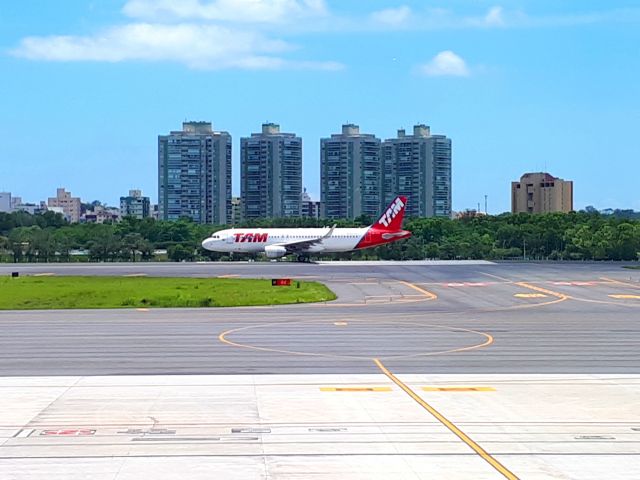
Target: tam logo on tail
{"x":391,"y":218}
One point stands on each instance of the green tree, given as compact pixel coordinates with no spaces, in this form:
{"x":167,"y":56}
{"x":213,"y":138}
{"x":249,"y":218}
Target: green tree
{"x":43,"y":245}
{"x":104,"y":245}
{"x":131,"y":244}
{"x":180,"y":253}
{"x":20,"y":242}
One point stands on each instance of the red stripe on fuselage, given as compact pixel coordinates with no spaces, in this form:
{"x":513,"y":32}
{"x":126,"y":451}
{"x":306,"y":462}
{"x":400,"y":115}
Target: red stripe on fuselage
{"x":374,"y":237}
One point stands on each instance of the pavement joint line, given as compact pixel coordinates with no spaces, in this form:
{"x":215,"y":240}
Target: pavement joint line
{"x":426,"y":293}
{"x":458,"y":389}
{"x":356,"y":389}
{"x":447,"y":423}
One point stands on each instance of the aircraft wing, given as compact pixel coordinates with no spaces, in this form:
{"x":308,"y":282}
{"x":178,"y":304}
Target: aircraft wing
{"x":303,"y":245}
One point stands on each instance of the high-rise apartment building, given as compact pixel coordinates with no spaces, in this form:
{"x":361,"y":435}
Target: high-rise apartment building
{"x":236,"y":210}
{"x":309,"y":208}
{"x":135,"y":205}
{"x":71,"y":206}
{"x":194,"y":174}
{"x":351,"y":174}
{"x":271,"y":173}
{"x":6,"y":204}
{"x":541,"y":193}
{"x":419,"y":167}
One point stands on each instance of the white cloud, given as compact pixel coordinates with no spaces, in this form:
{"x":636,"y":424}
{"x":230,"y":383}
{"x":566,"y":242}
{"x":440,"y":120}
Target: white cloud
{"x":494,"y":17}
{"x":434,"y":19}
{"x":445,"y":63}
{"x":197,"y":46}
{"x":392,"y":17}
{"x":243,"y":11}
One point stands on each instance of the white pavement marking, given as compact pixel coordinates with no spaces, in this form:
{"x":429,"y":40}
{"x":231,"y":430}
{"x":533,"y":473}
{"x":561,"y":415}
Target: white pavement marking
{"x":497,"y":277}
{"x":284,"y":426}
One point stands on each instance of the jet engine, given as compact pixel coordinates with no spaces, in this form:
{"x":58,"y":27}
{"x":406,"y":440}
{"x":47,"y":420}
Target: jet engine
{"x":275,"y":251}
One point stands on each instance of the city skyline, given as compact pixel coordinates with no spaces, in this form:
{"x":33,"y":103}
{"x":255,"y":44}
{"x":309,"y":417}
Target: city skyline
{"x":520,"y":86}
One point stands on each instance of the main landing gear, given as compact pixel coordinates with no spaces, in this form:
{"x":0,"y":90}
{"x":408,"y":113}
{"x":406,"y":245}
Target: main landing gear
{"x":303,"y":259}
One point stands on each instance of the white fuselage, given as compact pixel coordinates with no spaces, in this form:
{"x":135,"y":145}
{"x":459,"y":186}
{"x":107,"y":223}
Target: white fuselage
{"x":254,"y":240}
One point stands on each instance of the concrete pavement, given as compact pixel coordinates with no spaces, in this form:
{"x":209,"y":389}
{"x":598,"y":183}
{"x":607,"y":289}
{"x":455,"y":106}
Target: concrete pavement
{"x":319,"y":427}
{"x":418,"y":370}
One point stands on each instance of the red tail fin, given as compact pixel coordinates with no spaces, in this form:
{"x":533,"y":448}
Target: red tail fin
{"x":391,"y":218}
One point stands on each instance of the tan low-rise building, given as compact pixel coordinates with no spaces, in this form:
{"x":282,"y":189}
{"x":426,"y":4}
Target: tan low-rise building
{"x":541,"y":193}
{"x":70,"y":205}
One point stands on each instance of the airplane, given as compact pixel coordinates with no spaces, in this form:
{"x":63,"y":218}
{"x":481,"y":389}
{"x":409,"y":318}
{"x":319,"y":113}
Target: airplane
{"x":279,"y":242}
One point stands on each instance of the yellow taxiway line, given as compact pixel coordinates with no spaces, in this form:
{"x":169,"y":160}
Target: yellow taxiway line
{"x":426,"y":293}
{"x":619,"y":282}
{"x":447,"y":423}
{"x":560,"y":296}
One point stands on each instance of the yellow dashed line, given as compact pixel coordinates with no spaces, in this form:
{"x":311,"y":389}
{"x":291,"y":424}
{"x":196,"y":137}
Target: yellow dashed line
{"x":340,"y":324}
{"x":442,"y":419}
{"x":625,"y":297}
{"x":43,"y":274}
{"x":530,"y":295}
{"x":135,"y":275}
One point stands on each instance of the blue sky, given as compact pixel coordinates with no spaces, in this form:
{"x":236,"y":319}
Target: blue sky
{"x":519,"y":85}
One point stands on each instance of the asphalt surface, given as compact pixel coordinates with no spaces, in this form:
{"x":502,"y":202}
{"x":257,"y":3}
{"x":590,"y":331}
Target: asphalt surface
{"x":417,"y":317}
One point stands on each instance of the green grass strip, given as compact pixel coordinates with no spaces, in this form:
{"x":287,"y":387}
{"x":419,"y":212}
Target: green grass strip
{"x":41,"y":293}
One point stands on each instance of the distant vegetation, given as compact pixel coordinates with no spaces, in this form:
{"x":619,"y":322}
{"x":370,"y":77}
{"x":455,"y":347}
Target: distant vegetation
{"x":573,"y":236}
{"x":26,"y":293}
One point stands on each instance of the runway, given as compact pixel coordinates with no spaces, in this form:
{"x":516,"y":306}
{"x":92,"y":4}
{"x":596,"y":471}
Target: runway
{"x":535,"y":364}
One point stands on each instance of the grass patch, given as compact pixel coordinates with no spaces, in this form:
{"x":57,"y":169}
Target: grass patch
{"x":632,"y":267}
{"x":35,"y":293}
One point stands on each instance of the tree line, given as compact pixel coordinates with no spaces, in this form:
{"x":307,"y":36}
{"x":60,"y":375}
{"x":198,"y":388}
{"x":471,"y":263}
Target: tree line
{"x":554,"y":236}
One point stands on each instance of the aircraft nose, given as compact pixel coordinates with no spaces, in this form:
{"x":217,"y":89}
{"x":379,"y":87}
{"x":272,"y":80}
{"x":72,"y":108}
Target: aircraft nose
{"x":206,"y":243}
